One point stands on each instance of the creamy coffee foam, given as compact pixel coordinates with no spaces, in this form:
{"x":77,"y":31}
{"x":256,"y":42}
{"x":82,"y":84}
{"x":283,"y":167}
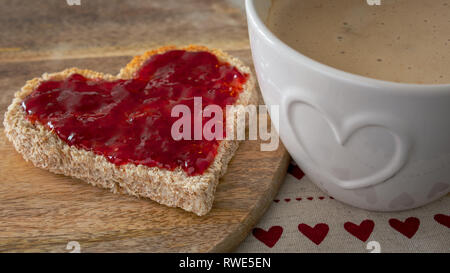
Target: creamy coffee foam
{"x":400,"y":40}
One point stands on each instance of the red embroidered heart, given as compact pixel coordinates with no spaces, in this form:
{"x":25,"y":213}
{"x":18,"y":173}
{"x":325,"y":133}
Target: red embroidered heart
{"x":362,"y":231}
{"x":270,"y":237}
{"x":442,"y":219}
{"x":295,"y":171}
{"x":315,"y":234}
{"x":407,"y":228}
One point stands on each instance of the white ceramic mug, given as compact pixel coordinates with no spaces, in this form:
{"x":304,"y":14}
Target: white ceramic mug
{"x":369,"y":143}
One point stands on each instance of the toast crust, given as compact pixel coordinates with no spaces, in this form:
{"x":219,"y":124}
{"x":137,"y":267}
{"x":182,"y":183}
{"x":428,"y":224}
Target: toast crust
{"x":172,"y":188}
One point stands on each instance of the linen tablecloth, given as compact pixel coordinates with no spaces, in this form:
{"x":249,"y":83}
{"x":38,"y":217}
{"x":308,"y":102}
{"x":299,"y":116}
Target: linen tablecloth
{"x":304,"y":219}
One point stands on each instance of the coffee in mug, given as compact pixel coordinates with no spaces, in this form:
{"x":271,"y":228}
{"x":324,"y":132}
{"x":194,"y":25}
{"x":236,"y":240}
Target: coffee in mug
{"x":404,"y":41}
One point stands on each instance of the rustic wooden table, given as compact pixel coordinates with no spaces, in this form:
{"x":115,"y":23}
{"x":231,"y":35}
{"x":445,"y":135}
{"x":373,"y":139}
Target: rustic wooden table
{"x":41,"y":211}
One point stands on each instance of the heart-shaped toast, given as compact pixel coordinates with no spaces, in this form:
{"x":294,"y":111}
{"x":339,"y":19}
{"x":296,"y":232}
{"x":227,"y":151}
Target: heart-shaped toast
{"x":115,"y":131}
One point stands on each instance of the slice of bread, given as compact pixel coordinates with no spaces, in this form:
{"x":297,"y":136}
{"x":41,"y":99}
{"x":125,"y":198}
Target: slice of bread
{"x":172,"y":188}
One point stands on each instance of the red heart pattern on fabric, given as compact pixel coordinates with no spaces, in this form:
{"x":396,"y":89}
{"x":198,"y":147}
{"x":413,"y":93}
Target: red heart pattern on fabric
{"x":361,"y":231}
{"x":442,"y":219}
{"x":316,"y":234}
{"x":270,"y":237}
{"x":408,"y":228}
{"x":295,"y":171}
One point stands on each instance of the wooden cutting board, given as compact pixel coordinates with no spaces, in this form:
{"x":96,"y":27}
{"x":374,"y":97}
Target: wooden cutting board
{"x":40,"y":211}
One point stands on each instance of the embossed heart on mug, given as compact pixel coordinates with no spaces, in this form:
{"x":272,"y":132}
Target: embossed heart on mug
{"x":402,"y":201}
{"x":369,"y":194}
{"x":437,"y":188}
{"x":354,"y":151}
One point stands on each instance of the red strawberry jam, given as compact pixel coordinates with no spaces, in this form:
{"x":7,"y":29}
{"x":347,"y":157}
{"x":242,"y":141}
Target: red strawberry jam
{"x":129,"y":121}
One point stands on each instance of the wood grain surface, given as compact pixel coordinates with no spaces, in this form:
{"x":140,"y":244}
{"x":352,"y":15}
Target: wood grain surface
{"x":40,"y":211}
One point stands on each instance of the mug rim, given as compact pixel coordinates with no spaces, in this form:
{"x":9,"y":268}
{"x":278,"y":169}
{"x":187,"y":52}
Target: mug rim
{"x":288,"y":51}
